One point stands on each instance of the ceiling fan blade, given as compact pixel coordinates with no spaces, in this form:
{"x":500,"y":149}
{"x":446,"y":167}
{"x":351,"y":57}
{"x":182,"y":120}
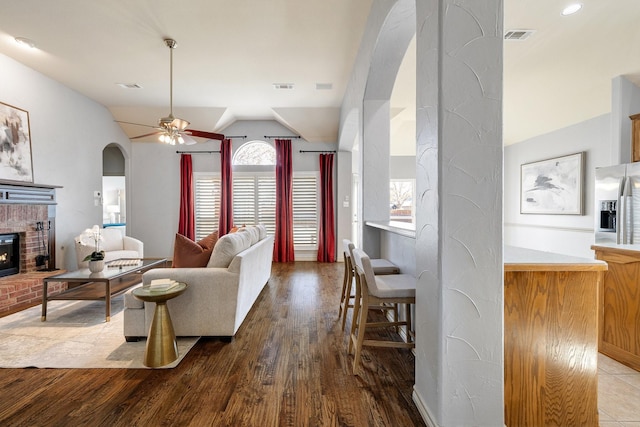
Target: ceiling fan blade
{"x":145,"y":135}
{"x":137,"y":124}
{"x":203,"y":134}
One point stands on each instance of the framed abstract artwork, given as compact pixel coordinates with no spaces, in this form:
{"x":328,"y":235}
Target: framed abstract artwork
{"x":15,"y":144}
{"x":553,"y":186}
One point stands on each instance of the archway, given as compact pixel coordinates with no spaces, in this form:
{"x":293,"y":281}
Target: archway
{"x":114,"y":204}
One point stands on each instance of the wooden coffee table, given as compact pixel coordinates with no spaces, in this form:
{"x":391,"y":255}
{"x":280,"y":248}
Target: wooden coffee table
{"x":85,"y":285}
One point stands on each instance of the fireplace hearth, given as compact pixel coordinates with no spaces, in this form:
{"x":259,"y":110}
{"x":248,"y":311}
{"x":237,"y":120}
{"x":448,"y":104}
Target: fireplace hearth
{"x":9,"y":254}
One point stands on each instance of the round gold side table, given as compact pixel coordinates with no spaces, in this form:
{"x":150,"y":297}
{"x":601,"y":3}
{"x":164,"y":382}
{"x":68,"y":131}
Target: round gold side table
{"x":161,"y":348}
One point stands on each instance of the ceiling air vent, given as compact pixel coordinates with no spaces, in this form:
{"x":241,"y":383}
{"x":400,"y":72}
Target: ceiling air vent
{"x":324,"y":86}
{"x":518,"y":35}
{"x":283,"y":85}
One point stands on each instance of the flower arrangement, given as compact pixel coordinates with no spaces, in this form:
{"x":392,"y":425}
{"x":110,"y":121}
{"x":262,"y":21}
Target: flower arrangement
{"x":92,"y":235}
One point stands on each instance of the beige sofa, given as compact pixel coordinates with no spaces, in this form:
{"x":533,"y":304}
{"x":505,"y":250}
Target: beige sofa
{"x":219,"y":296}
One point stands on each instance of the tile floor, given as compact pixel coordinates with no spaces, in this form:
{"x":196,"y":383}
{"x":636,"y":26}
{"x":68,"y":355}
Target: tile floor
{"x":618,"y":394}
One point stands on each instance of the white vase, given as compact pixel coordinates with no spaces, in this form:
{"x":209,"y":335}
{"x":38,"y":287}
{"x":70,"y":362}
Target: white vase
{"x":96,"y":266}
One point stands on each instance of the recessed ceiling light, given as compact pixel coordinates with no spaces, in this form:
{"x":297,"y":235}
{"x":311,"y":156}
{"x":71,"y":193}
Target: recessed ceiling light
{"x":24,"y":42}
{"x":129,"y":85}
{"x":571,"y":9}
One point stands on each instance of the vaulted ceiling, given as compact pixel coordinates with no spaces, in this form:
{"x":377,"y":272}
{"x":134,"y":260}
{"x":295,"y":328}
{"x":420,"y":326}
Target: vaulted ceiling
{"x":230,"y":54}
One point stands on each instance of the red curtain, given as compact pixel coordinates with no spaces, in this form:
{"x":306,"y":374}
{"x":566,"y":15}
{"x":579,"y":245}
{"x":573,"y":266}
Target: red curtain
{"x":186,"y":224}
{"x":226,"y":189}
{"x":283,"y":249}
{"x":326,"y":232}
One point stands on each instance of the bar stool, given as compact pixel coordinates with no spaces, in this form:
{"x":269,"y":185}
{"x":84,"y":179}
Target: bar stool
{"x":380,"y":266}
{"x":382,"y":289}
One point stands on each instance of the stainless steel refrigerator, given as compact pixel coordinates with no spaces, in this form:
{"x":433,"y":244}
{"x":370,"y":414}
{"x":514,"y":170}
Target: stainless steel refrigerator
{"x":617,"y":204}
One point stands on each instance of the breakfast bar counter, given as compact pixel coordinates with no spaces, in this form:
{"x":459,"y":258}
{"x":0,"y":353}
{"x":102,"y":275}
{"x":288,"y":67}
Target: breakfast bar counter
{"x":550,"y":338}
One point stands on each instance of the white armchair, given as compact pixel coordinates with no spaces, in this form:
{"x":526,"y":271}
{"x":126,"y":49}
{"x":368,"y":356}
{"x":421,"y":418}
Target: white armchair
{"x":114,"y":244}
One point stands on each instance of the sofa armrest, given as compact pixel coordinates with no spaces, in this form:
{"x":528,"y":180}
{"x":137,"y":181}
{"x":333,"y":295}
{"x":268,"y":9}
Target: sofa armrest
{"x":206,"y":308}
{"x":133,"y":244}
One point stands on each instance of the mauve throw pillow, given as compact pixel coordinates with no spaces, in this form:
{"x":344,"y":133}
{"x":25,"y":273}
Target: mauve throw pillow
{"x":187,"y":253}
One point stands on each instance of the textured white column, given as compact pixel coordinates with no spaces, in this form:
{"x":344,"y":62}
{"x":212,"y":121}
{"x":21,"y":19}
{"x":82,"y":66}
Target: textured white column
{"x":459,"y":351}
{"x":375,"y":171}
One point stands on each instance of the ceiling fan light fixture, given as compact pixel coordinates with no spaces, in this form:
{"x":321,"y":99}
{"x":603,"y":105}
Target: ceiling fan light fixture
{"x":179,"y":124}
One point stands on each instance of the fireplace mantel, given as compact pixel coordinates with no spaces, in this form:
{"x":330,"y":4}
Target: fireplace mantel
{"x":27,"y":193}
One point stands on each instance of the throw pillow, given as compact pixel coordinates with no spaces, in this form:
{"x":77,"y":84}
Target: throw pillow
{"x":187,"y":253}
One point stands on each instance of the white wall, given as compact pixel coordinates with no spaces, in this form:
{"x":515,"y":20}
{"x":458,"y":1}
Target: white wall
{"x":625,"y":102}
{"x":567,"y":234}
{"x":68,"y":133}
{"x":606,"y":140}
{"x":155,"y":201}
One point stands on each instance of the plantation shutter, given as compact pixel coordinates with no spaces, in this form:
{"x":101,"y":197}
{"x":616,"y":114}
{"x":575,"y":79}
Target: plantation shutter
{"x":305,"y":211}
{"x":244,"y":200}
{"x":254,"y":202}
{"x":207,"y":205}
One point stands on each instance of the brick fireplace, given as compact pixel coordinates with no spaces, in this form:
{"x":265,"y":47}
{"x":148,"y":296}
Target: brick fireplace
{"x":29,"y":211}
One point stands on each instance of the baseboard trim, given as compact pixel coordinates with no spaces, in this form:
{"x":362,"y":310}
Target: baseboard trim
{"x":423,"y":409}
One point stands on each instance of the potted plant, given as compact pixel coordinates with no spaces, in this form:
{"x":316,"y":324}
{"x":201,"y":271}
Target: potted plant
{"x":93,"y":236}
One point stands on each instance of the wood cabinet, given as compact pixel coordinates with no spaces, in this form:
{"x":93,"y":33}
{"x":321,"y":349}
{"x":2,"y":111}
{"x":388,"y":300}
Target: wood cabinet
{"x":635,"y":137}
{"x":550,"y":339}
{"x":620,"y":304}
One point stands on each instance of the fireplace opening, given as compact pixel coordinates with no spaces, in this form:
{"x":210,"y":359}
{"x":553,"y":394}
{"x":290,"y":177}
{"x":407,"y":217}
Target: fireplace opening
{"x":9,"y":254}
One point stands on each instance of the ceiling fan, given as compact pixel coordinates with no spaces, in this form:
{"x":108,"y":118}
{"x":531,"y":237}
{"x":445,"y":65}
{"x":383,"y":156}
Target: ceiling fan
{"x":170,"y":129}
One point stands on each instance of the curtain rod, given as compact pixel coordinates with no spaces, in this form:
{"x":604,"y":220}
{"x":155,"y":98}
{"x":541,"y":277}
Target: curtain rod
{"x":283,"y":136}
{"x":317,"y":151}
{"x":235,"y":136}
{"x":197,"y":152}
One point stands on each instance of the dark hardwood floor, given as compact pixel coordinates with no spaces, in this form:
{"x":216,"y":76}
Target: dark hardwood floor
{"x":287,"y":366}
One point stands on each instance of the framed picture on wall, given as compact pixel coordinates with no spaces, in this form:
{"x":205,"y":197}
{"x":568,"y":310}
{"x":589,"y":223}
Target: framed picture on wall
{"x":15,"y":144}
{"x":553,"y":186}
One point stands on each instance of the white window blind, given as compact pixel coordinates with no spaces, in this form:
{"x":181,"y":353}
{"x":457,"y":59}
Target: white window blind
{"x":254,"y":202}
{"x":207,"y":204}
{"x":305,"y":211}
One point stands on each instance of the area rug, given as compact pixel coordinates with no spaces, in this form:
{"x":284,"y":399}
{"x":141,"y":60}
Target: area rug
{"x":75,"y":335}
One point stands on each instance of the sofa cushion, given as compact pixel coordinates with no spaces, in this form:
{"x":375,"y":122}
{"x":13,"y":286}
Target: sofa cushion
{"x":262,"y":231}
{"x":227,"y":247}
{"x":187,"y":253}
{"x":253,"y":232}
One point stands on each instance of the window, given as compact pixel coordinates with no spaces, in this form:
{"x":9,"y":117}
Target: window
{"x":254,"y":197}
{"x":207,"y":204}
{"x":255,"y":153}
{"x":254,"y":201}
{"x":401,"y":200}
{"x":305,"y":211}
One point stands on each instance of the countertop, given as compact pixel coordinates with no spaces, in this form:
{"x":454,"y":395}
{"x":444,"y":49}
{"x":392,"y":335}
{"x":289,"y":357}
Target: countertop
{"x":613,"y":247}
{"x":521,"y":259}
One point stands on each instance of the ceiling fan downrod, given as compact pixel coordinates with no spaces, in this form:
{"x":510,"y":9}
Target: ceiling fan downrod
{"x":171,"y":44}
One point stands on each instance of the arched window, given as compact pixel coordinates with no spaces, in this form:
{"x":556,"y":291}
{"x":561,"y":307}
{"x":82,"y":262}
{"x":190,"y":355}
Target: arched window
{"x":255,"y":153}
